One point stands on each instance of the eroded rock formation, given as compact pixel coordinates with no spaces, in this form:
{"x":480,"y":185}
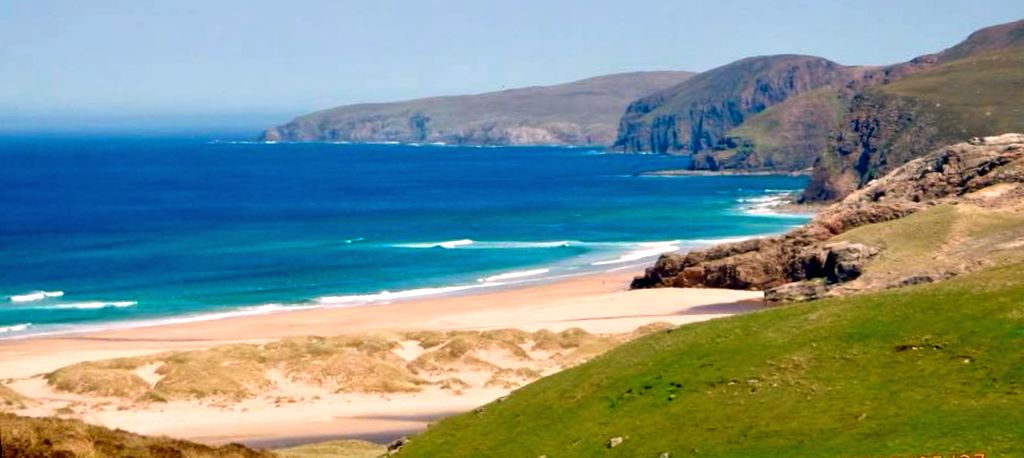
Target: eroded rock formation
{"x":805,"y":264}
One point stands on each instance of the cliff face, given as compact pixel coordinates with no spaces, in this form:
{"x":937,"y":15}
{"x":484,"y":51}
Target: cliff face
{"x":696,"y":115}
{"x":812,"y":261}
{"x":584,"y":112}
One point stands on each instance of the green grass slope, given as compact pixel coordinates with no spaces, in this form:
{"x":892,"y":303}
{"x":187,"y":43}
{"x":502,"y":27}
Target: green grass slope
{"x":979,"y":95}
{"x":932,"y":369}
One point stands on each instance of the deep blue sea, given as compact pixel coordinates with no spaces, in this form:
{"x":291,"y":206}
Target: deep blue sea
{"x":100,"y":232}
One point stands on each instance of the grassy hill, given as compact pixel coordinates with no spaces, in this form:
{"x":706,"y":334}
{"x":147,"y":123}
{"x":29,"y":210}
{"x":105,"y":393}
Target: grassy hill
{"x":584,"y":112}
{"x":888,"y":125}
{"x":978,"y":95}
{"x":932,"y":369}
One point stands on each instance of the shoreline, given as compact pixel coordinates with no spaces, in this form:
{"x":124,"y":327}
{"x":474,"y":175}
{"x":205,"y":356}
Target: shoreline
{"x":731,"y":172}
{"x":598,"y":303}
{"x":642,"y":255}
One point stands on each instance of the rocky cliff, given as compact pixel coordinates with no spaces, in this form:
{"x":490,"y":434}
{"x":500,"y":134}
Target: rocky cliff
{"x":695,"y":116}
{"x":584,"y":112}
{"x":809,"y":262}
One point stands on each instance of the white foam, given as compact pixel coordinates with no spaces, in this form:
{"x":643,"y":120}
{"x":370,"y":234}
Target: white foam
{"x":495,"y":245}
{"x":514,"y":275}
{"x":14,"y":328}
{"x":446,"y":244}
{"x":36,"y":296}
{"x":387,"y":296}
{"x":720,"y":240}
{"x":766,"y":204}
{"x":90,"y":305}
{"x":646,"y":250}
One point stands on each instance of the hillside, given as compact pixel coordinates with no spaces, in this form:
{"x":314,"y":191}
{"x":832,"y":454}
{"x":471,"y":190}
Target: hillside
{"x":890,"y":124}
{"x":974,"y":88}
{"x":783,"y":113}
{"x":881,"y":374}
{"x":584,"y":112}
{"x":697,"y":115}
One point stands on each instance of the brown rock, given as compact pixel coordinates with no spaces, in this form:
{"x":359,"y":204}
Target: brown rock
{"x":782,"y":265}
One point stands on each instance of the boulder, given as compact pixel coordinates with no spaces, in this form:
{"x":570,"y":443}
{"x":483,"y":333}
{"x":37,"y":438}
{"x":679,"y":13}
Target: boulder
{"x":799,"y":291}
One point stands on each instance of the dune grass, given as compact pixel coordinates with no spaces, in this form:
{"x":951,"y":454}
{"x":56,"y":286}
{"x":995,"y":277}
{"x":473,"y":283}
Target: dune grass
{"x":12,"y":399}
{"x":50,"y":437}
{"x":931,"y":369}
{"x":367,"y":363}
{"x":334,"y":449}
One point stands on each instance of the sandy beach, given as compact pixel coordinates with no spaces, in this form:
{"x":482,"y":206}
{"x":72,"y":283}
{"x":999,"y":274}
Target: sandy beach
{"x":599,"y":304}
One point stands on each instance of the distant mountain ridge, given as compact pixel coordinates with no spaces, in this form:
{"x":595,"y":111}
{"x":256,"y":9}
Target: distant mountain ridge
{"x":584,"y":112}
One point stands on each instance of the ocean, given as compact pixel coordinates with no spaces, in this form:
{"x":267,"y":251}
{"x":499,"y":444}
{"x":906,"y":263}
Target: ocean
{"x":100,"y":232}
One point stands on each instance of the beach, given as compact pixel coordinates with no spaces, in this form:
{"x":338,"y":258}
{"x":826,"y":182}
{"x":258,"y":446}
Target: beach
{"x":597,"y":303}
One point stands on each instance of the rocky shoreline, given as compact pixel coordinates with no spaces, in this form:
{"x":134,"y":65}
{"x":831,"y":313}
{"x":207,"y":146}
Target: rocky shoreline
{"x":807,"y":263}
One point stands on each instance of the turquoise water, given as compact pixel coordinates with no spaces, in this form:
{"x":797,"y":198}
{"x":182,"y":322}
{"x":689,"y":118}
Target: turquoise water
{"x":98,"y":232}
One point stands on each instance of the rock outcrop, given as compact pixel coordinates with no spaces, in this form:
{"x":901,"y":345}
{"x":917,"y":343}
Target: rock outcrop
{"x":806,"y":264}
{"x":584,"y":112}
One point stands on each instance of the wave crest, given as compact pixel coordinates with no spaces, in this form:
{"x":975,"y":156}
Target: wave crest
{"x":493,"y":245}
{"x":35,"y":296}
{"x":386,"y":296}
{"x":15,"y":328}
{"x":91,"y":305}
{"x":514,"y":275}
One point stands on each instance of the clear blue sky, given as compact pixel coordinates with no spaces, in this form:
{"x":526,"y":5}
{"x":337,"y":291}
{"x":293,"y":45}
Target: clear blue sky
{"x":113,"y":58}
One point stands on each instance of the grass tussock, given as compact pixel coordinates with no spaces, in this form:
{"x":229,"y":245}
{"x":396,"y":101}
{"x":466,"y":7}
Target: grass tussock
{"x":52,"y":437}
{"x":99,"y":379}
{"x":10,"y":399}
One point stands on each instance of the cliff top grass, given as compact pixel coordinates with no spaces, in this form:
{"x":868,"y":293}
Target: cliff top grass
{"x":51,"y":437}
{"x":974,"y":96}
{"x":923,"y":370}
{"x":942,"y":238}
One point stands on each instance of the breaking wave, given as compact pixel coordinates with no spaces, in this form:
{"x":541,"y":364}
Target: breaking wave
{"x":35,"y":296}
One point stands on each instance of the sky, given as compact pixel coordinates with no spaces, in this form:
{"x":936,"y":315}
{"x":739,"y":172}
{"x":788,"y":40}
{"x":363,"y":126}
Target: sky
{"x":262,"y":61}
